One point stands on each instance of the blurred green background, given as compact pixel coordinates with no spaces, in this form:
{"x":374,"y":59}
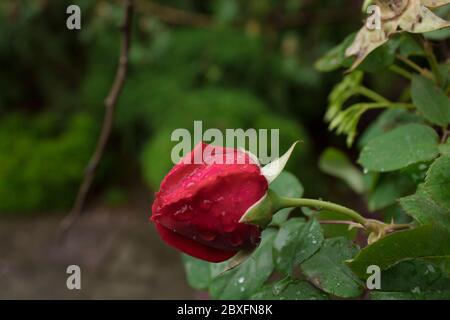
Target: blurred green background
{"x":229,"y":63}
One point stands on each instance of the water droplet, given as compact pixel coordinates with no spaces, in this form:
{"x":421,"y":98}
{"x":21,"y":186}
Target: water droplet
{"x":206,"y":204}
{"x":241,"y":280}
{"x":416,"y":290}
{"x":366,"y":171}
{"x":423,"y":166}
{"x":183,"y":213}
{"x":229,"y":226}
{"x":207,"y":235}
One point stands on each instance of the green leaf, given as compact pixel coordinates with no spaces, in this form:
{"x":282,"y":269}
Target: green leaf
{"x":380,"y":295}
{"x":388,"y":120}
{"x":409,"y":46}
{"x":198,"y":272}
{"x":335,"y":58}
{"x":242,"y":281}
{"x":381,"y":58}
{"x":421,"y":242}
{"x":425,"y":210}
{"x":295,"y":242}
{"x":327,"y":269}
{"x":437,"y":182}
{"x":342,"y":92}
{"x":413,"y":279}
{"x":390,"y":187}
{"x":444,"y":148}
{"x":287,"y":185}
{"x":335,"y":163}
{"x":417,"y":274}
{"x":289,"y":289}
{"x":432,"y":103}
{"x":399,"y":148}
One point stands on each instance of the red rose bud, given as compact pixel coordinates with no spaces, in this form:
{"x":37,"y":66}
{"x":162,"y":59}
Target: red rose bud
{"x":199,"y":205}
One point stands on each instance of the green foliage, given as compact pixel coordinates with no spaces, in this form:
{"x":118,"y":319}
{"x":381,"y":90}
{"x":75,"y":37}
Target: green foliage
{"x":387,"y":121}
{"x":295,"y":242}
{"x":413,"y":280}
{"x":42,"y":161}
{"x":422,"y":242}
{"x":336,"y":163}
{"x":335,"y":58}
{"x":327,"y":269}
{"x":425,"y":210}
{"x":241,"y":282}
{"x":437,"y":183}
{"x":402,"y":151}
{"x":399,"y":148}
{"x":198,"y":272}
{"x":289,"y":289}
{"x":431,"y":102}
{"x":388,"y":189}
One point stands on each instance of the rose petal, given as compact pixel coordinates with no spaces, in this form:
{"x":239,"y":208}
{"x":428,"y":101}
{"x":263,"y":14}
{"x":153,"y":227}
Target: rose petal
{"x":192,"y":247}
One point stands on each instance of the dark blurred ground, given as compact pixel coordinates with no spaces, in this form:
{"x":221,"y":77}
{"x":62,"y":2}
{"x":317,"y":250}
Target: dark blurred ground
{"x":118,"y":251}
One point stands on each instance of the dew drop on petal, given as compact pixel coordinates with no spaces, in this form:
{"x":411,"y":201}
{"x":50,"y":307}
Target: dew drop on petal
{"x":207,"y":235}
{"x":184,"y":213}
{"x":206,"y":204}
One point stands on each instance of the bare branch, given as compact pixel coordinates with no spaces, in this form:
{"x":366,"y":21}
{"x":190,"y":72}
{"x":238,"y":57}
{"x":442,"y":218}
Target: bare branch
{"x":110,"y":104}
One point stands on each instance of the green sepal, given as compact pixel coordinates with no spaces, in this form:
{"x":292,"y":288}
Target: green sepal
{"x":262,"y":211}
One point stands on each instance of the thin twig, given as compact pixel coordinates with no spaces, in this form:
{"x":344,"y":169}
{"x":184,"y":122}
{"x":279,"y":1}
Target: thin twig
{"x":400,"y":71}
{"x":424,"y":72}
{"x":346,"y":222}
{"x":110,"y":104}
{"x":432,"y":61}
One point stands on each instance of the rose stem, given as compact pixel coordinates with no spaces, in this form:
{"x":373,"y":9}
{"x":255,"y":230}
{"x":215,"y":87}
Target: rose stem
{"x":285,"y":202}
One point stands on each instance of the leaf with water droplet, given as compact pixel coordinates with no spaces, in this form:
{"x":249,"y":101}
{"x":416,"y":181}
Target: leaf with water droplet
{"x":430,"y":100}
{"x":437,"y":182}
{"x":295,"y":242}
{"x":422,"y":242}
{"x":413,"y":279}
{"x":289,"y":289}
{"x":399,"y":148}
{"x":245,"y":279}
{"x":425,"y":210}
{"x":328,"y":271}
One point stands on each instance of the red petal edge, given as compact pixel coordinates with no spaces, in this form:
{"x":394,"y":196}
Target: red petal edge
{"x":191,"y":247}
